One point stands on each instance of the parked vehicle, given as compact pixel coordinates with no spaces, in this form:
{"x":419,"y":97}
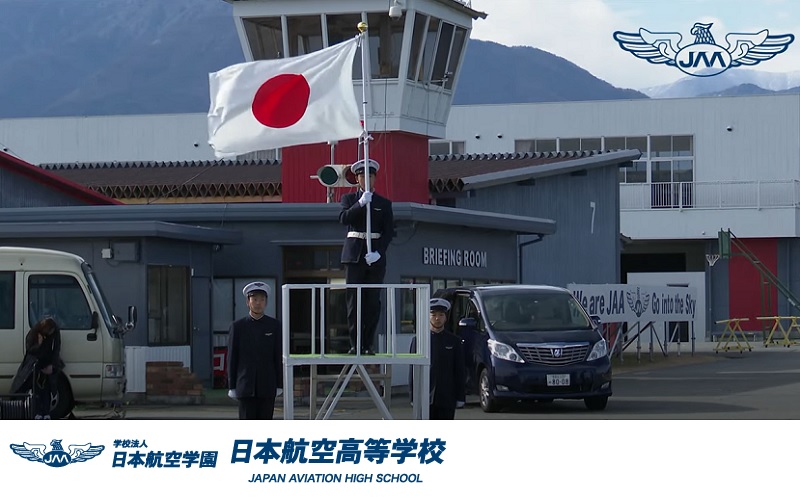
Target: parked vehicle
{"x":525,"y":342}
{"x":37,"y":283}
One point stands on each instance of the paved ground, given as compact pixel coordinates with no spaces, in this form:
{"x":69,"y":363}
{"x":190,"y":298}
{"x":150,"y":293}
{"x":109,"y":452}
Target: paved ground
{"x":758,"y":384}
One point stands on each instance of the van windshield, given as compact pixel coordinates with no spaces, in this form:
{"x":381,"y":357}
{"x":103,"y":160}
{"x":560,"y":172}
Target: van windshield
{"x":102,"y":303}
{"x":524,"y":310}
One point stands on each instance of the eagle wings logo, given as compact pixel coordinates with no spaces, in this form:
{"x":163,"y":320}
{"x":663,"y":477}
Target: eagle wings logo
{"x":637,"y":303}
{"x":704,"y":57}
{"x":57,"y":457}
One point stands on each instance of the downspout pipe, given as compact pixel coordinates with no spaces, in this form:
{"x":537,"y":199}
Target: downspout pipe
{"x":520,"y":247}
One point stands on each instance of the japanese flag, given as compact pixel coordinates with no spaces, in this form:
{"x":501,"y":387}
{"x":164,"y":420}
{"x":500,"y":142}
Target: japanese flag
{"x":284,"y":102}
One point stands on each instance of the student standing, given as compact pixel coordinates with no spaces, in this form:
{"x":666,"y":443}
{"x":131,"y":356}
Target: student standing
{"x":255,"y":370}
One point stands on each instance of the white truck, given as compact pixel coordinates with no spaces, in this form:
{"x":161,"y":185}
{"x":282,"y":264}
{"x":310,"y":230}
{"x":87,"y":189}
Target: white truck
{"x":37,"y":283}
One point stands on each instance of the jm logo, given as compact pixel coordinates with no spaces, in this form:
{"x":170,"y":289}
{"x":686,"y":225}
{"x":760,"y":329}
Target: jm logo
{"x":638,"y":302}
{"x":704,"y":57}
{"x":56,"y":456}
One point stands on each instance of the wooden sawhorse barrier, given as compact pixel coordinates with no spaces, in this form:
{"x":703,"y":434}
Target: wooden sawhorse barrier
{"x":779,"y":325}
{"x":731,"y":334}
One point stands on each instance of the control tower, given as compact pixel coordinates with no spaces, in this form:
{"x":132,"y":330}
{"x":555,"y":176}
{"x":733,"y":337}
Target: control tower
{"x":415,"y":51}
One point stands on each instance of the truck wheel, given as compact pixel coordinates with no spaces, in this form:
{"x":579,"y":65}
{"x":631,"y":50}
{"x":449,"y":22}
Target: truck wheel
{"x":61,"y":402}
{"x":489,"y":403}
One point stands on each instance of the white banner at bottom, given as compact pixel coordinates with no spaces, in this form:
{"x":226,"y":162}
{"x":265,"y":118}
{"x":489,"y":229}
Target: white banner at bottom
{"x":393,"y":459}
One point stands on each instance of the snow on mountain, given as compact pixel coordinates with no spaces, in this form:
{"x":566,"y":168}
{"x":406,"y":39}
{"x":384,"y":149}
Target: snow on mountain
{"x":692,"y":86}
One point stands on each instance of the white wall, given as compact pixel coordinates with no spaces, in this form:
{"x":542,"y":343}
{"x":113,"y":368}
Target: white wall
{"x":762,"y":145}
{"x":669,"y":224}
{"x":89,"y":139}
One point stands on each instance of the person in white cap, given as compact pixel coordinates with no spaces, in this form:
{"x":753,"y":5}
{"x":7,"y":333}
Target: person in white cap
{"x":362,"y":267}
{"x":255,"y":371}
{"x":447,"y":365}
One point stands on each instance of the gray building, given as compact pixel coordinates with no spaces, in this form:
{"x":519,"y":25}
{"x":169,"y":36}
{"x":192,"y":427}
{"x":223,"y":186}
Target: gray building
{"x":183,"y":264}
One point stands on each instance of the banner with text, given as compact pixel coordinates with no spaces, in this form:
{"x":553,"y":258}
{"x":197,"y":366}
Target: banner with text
{"x":138,"y":459}
{"x":617,"y":303}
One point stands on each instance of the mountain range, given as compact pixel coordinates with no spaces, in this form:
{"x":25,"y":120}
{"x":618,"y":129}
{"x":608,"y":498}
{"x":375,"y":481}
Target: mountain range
{"x":101,"y":57}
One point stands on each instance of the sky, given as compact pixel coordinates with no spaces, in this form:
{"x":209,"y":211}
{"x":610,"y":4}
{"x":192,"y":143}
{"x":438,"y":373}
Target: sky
{"x":581,"y":31}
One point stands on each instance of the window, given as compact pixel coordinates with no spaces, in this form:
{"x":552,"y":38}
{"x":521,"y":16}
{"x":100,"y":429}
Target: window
{"x":7,"y":301}
{"x":263,"y":154}
{"x":167,"y":305}
{"x":634,"y":172}
{"x":682,"y":145}
{"x":446,"y":147}
{"x":569,"y":144}
{"x":639,"y":143}
{"x":442,"y":54}
{"x":265,"y":37}
{"x":660,"y":146}
{"x":420,"y":25}
{"x":344,"y":27}
{"x":672,"y":171}
{"x":531,"y":311}
{"x":429,"y":45}
{"x":59,"y":297}
{"x":300,"y":261}
{"x":464,"y":307}
{"x":535,"y":146}
{"x":305,"y":34}
{"x":590,"y":144}
{"x":459,"y":40}
{"x":614,"y":143}
{"x":385,"y":42}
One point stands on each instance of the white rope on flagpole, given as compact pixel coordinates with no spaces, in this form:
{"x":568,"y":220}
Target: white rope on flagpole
{"x":363,"y":28}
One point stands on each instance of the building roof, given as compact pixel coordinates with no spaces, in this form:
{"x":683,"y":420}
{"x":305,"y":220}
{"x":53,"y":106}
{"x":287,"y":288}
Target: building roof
{"x":262,"y":178}
{"x":183,"y":217}
{"x":117,"y":229}
{"x":77,"y":190}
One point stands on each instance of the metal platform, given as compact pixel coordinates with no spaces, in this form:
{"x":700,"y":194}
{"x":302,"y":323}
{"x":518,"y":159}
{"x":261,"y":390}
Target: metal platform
{"x":357,"y":364}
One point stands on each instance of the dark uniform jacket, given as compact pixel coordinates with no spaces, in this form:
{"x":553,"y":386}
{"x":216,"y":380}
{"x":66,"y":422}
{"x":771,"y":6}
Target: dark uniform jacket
{"x":254,"y":357}
{"x":447,"y":369}
{"x":355,"y":216}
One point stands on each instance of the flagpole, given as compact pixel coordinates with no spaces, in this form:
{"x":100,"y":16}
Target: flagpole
{"x":363,"y":29}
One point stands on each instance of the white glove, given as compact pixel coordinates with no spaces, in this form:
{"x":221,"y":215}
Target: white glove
{"x":365,"y":198}
{"x":278,"y":392}
{"x":372,"y":257}
{"x":232,"y":393}
{"x":459,"y":404}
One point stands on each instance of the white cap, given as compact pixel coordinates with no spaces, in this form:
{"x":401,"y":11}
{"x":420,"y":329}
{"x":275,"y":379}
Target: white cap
{"x":439,"y":304}
{"x":358,"y":166}
{"x":256,"y":286}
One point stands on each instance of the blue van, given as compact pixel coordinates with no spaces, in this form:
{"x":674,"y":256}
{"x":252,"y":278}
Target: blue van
{"x":526,"y":342}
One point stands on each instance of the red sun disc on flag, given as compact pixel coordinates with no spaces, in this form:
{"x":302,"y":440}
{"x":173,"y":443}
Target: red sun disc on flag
{"x":281,"y":101}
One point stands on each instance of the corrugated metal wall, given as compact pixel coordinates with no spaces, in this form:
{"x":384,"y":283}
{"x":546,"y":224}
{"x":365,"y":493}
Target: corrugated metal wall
{"x":579,"y":252}
{"x":18,"y":191}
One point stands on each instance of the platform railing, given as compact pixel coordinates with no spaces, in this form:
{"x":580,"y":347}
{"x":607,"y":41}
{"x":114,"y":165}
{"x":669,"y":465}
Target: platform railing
{"x":353,"y":364}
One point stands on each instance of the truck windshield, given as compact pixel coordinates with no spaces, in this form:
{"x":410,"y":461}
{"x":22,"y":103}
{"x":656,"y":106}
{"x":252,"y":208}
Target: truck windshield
{"x":534,"y":311}
{"x":114,"y":327}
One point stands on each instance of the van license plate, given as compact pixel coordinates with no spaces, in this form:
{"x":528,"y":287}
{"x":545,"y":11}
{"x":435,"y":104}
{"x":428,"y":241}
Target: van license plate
{"x":558,"y":380}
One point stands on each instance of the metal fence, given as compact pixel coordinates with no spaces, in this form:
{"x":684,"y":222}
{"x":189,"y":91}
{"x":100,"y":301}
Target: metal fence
{"x":710,"y":195}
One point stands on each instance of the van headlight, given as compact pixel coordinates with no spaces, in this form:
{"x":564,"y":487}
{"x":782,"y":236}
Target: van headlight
{"x":114,"y":370}
{"x":504,"y":351}
{"x":599,"y":350}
